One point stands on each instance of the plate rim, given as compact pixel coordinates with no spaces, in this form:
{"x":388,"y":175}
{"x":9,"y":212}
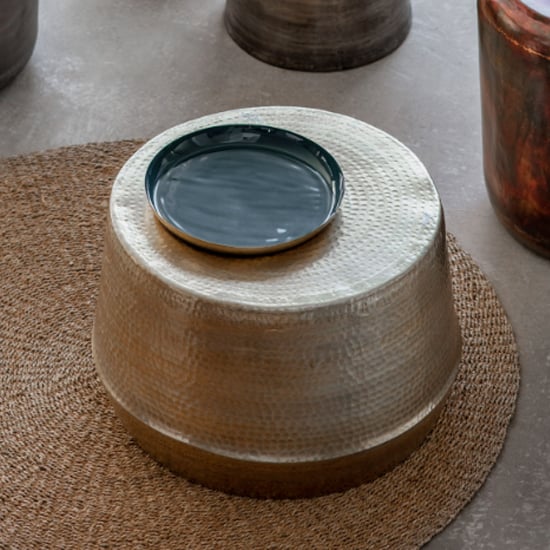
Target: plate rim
{"x":336,"y":185}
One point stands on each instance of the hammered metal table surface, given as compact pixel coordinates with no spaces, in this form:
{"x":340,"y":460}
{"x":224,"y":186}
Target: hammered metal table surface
{"x":390,"y":217}
{"x":265,"y":358}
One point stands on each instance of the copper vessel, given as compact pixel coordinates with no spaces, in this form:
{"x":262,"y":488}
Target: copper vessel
{"x":514,"y":45}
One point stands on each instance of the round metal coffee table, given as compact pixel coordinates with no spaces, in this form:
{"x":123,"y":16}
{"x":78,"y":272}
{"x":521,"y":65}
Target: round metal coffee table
{"x":291,"y":374}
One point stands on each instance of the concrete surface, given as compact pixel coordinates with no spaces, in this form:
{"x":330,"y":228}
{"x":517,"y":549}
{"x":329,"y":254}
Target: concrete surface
{"x":112,"y":69}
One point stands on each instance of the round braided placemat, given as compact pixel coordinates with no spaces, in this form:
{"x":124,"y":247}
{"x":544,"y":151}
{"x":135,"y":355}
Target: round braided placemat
{"x":70,"y":476}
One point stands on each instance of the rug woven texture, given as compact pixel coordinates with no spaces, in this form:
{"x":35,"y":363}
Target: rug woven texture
{"x":70,"y":476}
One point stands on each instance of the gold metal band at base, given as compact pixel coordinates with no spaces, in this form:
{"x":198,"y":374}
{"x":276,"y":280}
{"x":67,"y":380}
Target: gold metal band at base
{"x":276,"y":480}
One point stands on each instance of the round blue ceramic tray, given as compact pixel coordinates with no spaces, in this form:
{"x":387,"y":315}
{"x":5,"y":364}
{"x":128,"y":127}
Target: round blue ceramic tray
{"x":244,"y":189}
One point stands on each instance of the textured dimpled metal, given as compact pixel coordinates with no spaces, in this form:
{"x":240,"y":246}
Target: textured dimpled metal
{"x":328,"y":350}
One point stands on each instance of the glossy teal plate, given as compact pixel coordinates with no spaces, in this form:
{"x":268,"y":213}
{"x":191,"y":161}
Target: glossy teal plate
{"x":244,"y":189}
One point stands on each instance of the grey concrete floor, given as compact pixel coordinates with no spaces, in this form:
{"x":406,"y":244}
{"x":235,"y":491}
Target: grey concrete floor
{"x":111,"y":69}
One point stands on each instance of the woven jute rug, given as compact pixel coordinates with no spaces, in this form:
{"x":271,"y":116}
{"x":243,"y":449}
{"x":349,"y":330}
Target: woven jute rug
{"x":71,"y":477}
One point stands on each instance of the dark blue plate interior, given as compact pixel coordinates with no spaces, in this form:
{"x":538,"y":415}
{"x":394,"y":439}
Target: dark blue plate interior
{"x":243,"y":188}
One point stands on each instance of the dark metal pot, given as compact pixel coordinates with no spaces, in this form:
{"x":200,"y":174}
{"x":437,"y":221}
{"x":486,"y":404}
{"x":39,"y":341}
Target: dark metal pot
{"x":18,"y":30}
{"x":318,"y":35}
